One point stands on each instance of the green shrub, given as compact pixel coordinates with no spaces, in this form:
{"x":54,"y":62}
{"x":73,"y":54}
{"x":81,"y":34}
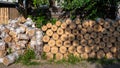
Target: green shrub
{"x":43,"y":56}
{"x":37,"y":3}
{"x":73,"y":59}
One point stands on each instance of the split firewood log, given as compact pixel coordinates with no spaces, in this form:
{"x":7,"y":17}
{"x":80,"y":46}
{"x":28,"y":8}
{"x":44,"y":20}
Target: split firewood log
{"x":60,"y":31}
{"x":105,"y":39}
{"x":67,"y":31}
{"x":106,"y":25}
{"x":3,"y":53}
{"x":90,"y":29}
{"x":118,"y":56}
{"x":66,"y":55}
{"x":116,"y":44}
{"x":87,"y":36}
{"x":109,"y":45}
{"x":67,"y":43}
{"x":91,"y":42}
{"x":22,"y":42}
{"x":54,"y":50}
{"x":46,"y":48}
{"x":49,"y":56}
{"x":13,"y":33}
{"x":106,"y":49}
{"x":51,"y":42}
{"x":112,"y":29}
{"x":102,"y":45}
{"x":79,"y":27}
{"x":23,"y":37}
{"x":118,"y":39}
{"x":83,"y":42}
{"x":112,"y":39}
{"x":109,"y":34}
{"x":109,"y":55}
{"x":59,"y":42}
{"x":55,"y":36}
{"x":49,"y":32}
{"x":58,"y":23}
{"x":100,"y":54}
{"x":54,"y":28}
{"x":118,"y":28}
{"x":115,"y":24}
{"x":46,"y":38}
{"x":59,"y":56}
{"x":75,"y":42}
{"x":80,"y":49}
{"x":44,"y":28}
{"x":95,"y":48}
{"x":6,"y":30}
{"x":20,"y":30}
{"x":33,"y":42}
{"x":63,"y":49}
{"x":49,"y":25}
{"x":77,"y":21}
{"x":7,"y":39}
{"x":100,"y":21}
{"x":113,"y":49}
{"x":72,"y":26}
{"x":63,"y":25}
{"x":85,"y":24}
{"x":93,"y":35}
{"x":75,"y":32}
{"x":71,"y":37}
{"x":76,"y":54}
{"x":9,"y":59}
{"x":72,"y":49}
{"x":84,"y":56}
{"x":92,"y":55}
{"x":30,"y":32}
{"x":97,"y":40}
{"x":98,"y":28}
{"x":116,"y":34}
{"x":64,"y":37}
{"x":87,"y":49}
{"x":91,"y":23}
{"x":100,"y":35}
{"x":68,"y":21}
{"x":83,"y":31}
{"x":79,"y":37}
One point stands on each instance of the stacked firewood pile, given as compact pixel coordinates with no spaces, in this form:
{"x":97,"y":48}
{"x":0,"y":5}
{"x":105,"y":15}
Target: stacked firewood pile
{"x":16,"y":37}
{"x":87,"y":39}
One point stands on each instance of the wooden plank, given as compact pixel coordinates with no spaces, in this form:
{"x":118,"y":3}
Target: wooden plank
{"x":3,"y":15}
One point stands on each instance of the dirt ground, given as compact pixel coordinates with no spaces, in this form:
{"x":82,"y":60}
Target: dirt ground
{"x":80,"y":65}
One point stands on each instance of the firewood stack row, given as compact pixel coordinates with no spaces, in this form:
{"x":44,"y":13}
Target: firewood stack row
{"x":86,"y":39}
{"x":16,"y":37}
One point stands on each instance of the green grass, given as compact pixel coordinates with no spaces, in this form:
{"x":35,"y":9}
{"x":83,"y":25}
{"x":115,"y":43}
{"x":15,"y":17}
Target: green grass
{"x":29,"y":55}
{"x":26,"y":58}
{"x":103,"y":61}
